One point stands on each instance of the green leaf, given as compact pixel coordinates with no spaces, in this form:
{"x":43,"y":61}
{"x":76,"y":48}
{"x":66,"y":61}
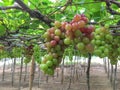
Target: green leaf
{"x":2,"y":30}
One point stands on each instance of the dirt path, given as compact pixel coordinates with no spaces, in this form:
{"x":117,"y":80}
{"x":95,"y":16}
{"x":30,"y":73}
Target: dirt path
{"x":98,"y":81}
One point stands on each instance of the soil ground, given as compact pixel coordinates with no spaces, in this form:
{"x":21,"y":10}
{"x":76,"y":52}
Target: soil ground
{"x":98,"y":80}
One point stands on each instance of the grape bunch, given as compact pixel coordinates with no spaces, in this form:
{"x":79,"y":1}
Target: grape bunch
{"x":102,"y":42}
{"x":28,"y":52}
{"x":78,"y":33}
{"x":114,"y":54}
{"x":64,"y":34}
{"x":16,"y":52}
{"x":106,"y":45}
{"x":1,"y":48}
{"x":37,"y":53}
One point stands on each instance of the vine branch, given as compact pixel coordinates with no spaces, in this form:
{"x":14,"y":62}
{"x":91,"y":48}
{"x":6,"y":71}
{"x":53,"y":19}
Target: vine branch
{"x":115,"y":2}
{"x":69,"y":2}
{"x":35,"y":13}
{"x":10,"y":7}
{"x":108,"y":6}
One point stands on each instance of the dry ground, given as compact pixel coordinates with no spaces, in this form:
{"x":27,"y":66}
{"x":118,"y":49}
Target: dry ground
{"x":98,"y":80}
